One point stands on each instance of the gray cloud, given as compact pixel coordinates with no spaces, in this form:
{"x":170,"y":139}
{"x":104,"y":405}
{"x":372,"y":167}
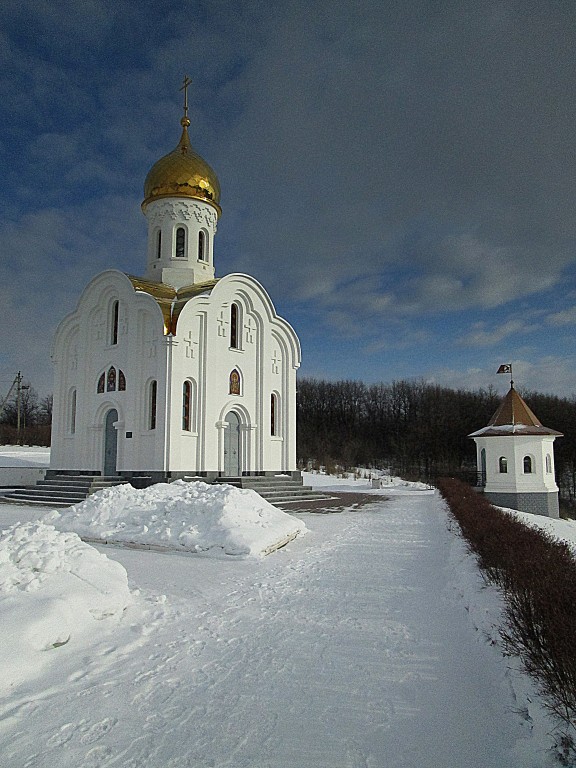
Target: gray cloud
{"x":381,"y":162}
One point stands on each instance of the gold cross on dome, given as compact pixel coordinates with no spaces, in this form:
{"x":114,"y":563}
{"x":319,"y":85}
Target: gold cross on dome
{"x":184,"y":88}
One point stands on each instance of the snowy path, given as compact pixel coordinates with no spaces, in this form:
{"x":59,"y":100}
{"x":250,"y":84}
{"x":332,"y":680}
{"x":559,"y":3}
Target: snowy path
{"x":347,"y":649}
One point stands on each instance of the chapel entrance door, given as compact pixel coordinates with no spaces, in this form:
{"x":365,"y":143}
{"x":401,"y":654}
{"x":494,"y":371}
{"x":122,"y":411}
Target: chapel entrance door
{"x":110,"y":442}
{"x":232,"y":445}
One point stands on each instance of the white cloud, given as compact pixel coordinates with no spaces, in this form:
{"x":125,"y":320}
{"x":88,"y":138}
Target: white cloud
{"x":553,"y":374}
{"x":563,"y":318}
{"x":481,"y":336}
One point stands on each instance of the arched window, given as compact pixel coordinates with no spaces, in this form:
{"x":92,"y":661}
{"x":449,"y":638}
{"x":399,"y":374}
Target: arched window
{"x":180,"y":243}
{"x":111,"y":380}
{"x":234,"y":323}
{"x":274,"y":414}
{"x":73,"y":412}
{"x":159,"y":244}
{"x":101,"y":383}
{"x":114,"y":322}
{"x":503,"y":465}
{"x":548,"y":464}
{"x":234,"y":383}
{"x":187,"y":406}
{"x":202,"y":246}
{"x":527,"y":465}
{"x":121,"y":381}
{"x":152,"y":393}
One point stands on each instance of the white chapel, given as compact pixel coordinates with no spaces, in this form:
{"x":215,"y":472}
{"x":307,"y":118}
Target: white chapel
{"x":178,"y":372}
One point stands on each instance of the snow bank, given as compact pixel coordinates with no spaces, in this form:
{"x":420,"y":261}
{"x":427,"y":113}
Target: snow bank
{"x":564,"y":530}
{"x":185,"y":516}
{"x":54,"y":590}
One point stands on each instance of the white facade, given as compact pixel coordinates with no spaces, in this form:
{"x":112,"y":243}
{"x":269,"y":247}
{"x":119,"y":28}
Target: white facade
{"x":517,"y":463}
{"x":176,"y":373}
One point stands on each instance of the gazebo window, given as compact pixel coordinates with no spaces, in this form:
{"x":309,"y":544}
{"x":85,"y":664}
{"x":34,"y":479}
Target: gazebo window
{"x":548,"y":464}
{"x":503,"y":465}
{"x":101,"y":383}
{"x":527,"y":465}
{"x":111,"y":380}
{"x":159,"y":244}
{"x":121,"y":381}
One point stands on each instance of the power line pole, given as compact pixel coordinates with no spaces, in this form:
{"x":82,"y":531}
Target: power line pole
{"x":19,"y":389}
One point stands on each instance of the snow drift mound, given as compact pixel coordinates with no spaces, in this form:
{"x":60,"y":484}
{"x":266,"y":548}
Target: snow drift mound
{"x":192,"y":517}
{"x":54,"y":590}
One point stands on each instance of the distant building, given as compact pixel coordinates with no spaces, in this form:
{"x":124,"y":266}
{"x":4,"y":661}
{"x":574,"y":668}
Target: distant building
{"x":177,"y":372}
{"x":515,"y":458}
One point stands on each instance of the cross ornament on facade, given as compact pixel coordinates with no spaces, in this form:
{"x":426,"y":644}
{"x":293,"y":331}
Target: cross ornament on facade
{"x":249,"y":329}
{"x":276,"y":360}
{"x":222,"y":323}
{"x":190,"y":343}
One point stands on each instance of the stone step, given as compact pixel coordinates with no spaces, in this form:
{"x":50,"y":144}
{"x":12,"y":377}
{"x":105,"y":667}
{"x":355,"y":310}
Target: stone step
{"x":277,"y":489}
{"x":57,"y":483}
{"x":68,"y":478}
{"x":62,"y":489}
{"x":259,"y":482}
{"x":28,"y":497}
{"x":284,"y":492}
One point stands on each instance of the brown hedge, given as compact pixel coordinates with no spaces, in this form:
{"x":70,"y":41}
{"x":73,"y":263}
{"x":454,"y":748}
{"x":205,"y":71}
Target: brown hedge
{"x":537,"y":576}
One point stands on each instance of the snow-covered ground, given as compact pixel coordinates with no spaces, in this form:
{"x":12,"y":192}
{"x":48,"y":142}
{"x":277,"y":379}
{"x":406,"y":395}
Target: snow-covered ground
{"x":24,"y":456}
{"x":565,"y":530}
{"x":365,"y":643}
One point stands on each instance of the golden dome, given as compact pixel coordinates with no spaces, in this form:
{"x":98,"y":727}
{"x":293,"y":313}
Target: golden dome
{"x":182,"y":173}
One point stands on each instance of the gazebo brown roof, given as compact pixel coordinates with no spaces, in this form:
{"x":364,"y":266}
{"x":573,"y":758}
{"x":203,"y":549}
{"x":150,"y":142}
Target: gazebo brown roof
{"x":514,"y":417}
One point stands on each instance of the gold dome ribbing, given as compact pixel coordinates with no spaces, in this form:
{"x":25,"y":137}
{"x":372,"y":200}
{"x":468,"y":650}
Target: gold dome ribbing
{"x":182,"y":173}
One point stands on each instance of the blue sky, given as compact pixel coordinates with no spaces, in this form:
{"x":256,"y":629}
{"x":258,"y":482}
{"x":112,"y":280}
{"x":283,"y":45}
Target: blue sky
{"x":400,"y":176}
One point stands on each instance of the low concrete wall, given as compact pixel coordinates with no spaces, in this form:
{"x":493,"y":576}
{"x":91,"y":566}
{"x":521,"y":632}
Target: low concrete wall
{"x":545,"y":504}
{"x":10,"y":477}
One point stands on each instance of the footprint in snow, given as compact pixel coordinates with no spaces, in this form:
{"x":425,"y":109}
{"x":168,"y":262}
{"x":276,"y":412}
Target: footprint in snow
{"x":64,"y":734}
{"x":96,"y":757}
{"x":98,"y":730}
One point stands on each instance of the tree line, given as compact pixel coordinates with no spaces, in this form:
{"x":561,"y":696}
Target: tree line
{"x":416,"y":429}
{"x":25,"y":418}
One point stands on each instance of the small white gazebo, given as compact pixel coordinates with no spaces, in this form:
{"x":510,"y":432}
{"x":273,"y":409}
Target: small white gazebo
{"x":515,"y":459}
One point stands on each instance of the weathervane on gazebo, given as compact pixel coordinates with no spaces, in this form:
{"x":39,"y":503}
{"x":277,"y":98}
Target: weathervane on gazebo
{"x":507,"y":368}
